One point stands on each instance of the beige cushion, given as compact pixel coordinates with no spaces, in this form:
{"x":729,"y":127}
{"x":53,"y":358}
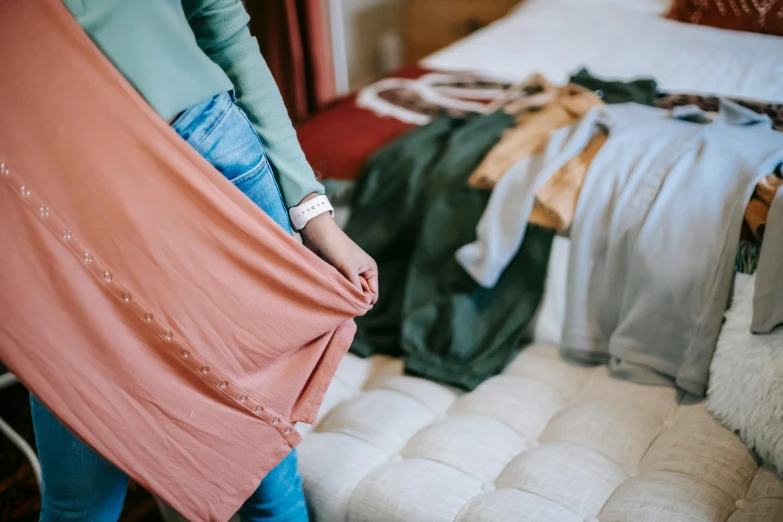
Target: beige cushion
{"x":544,"y":441}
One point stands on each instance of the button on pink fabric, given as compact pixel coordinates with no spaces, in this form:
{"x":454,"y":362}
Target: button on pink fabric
{"x":159,"y":313}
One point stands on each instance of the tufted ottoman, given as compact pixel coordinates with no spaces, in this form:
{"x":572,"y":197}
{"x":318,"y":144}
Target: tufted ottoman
{"x":544,"y":441}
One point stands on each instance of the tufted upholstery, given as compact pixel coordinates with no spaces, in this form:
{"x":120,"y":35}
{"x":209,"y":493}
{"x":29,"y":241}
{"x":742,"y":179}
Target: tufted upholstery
{"x":544,"y":441}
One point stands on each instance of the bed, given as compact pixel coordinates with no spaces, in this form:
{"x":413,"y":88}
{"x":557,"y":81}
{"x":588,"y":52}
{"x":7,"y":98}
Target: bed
{"x":548,"y":440}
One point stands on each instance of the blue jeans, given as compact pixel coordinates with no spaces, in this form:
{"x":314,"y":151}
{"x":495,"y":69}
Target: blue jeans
{"x":80,"y":485}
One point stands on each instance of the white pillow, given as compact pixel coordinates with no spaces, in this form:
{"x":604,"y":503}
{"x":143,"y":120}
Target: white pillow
{"x":654,"y":7}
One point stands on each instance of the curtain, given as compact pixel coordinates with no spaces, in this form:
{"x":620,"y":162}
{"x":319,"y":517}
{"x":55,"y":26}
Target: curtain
{"x":294,"y":39}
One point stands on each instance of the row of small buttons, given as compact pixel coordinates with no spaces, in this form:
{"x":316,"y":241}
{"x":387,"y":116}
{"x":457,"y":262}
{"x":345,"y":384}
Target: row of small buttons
{"x":161,"y":330}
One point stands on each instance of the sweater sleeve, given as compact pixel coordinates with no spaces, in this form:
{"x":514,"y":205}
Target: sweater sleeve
{"x":221,"y":31}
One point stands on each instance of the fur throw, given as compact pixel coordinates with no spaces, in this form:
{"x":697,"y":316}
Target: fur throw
{"x":746,"y":379}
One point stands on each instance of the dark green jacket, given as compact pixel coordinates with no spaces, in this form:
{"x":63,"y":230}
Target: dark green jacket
{"x":411,"y":211}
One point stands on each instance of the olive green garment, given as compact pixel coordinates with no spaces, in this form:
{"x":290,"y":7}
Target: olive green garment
{"x":386,"y":217}
{"x":412,"y":210}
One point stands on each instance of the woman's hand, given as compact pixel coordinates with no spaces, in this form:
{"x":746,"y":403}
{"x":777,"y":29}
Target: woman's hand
{"x":327,"y":240}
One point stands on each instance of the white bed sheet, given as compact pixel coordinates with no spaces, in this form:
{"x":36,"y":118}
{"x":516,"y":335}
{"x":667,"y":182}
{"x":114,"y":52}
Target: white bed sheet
{"x":621,"y":39}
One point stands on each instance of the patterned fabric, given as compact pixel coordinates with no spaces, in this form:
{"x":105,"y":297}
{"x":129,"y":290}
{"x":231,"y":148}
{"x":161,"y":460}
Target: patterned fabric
{"x":462,"y":86}
{"x":755,"y":16}
{"x":710,"y":104}
{"x":418,"y":101}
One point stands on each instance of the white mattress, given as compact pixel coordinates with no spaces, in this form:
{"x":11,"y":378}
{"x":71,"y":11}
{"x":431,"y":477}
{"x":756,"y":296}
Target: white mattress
{"x":622,"y":39}
{"x":543,"y":442}
{"x":547,"y":441}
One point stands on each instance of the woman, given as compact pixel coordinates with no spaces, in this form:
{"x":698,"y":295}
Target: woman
{"x":197,"y":65}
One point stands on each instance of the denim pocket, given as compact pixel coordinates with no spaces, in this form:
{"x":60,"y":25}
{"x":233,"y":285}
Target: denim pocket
{"x":261,"y":187}
{"x":223,"y":135}
{"x":233,"y":147}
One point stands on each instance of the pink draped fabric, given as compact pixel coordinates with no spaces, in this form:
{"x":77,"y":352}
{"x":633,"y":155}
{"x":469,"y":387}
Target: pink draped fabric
{"x":294,"y":39}
{"x":159,"y":313}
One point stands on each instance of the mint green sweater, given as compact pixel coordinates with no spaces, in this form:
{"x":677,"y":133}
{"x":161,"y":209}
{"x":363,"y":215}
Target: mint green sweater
{"x":177,"y":53}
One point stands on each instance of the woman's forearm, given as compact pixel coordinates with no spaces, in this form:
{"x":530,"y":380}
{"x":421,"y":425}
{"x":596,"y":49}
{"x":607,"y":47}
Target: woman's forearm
{"x":221,"y":30}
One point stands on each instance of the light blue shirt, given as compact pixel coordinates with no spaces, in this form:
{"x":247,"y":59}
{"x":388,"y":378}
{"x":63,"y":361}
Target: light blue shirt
{"x":654,"y":237}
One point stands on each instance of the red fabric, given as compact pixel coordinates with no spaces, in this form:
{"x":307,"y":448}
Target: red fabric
{"x":144,"y":299}
{"x":739,"y":15}
{"x":339,"y":140}
{"x":294,"y":40}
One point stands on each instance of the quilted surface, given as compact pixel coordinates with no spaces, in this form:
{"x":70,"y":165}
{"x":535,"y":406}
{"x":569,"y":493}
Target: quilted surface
{"x":544,"y":441}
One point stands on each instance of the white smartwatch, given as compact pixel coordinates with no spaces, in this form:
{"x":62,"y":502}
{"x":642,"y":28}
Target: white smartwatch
{"x":301,"y":214}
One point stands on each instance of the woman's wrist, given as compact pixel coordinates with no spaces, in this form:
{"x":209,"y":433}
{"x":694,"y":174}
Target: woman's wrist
{"x":319,"y":226}
{"x":326,"y":239}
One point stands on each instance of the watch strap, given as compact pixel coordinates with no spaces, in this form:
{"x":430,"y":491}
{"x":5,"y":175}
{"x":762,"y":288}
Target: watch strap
{"x":301,"y":214}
